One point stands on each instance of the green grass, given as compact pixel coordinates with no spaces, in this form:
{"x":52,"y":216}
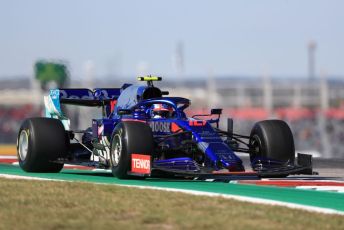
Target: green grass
{"x":65,"y":205}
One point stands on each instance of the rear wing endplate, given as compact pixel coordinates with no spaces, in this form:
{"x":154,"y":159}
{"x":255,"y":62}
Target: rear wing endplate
{"x":82,"y":97}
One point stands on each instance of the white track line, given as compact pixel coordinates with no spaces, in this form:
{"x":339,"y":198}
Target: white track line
{"x":8,"y":176}
{"x":339,"y":189}
{"x":7,"y":157}
{"x":102,"y":170}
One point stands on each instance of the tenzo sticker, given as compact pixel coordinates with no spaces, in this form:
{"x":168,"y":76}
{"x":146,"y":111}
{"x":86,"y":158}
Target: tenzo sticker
{"x":140,"y":163}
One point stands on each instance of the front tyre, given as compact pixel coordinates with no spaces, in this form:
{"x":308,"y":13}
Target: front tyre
{"x":40,"y":142}
{"x":129,"y":137}
{"x":272,"y":140}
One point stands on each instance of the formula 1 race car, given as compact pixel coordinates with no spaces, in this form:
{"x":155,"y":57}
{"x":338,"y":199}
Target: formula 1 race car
{"x":143,"y":133}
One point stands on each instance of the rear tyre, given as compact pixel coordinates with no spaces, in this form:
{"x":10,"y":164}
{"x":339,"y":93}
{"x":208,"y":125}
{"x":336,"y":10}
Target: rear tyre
{"x":127,"y":138}
{"x":41,"y":141}
{"x":273,"y":140}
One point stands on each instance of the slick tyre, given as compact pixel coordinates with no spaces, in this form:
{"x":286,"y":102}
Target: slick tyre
{"x":40,"y":142}
{"x":272,"y":139}
{"x":127,"y":138}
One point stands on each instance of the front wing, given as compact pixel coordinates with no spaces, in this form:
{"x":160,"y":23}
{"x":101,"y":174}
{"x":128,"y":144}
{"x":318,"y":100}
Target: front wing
{"x":303,"y":167}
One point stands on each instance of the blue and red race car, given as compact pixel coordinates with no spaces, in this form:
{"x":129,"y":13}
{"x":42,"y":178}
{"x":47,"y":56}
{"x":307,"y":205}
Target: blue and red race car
{"x":143,"y":133}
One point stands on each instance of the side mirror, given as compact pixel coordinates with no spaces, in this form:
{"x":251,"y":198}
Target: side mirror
{"x":216,"y":111}
{"x":124,"y":112}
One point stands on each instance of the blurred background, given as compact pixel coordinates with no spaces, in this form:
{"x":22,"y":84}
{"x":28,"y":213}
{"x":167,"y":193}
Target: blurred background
{"x":256,"y":59}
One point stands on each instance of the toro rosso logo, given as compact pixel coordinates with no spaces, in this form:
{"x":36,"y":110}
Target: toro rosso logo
{"x":160,"y":126}
{"x":140,"y":163}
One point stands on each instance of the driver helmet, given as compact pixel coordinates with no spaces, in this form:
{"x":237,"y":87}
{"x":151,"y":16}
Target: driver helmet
{"x":161,"y":111}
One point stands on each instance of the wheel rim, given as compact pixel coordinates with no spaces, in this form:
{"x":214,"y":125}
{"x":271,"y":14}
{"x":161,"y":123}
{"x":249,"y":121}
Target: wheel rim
{"x":23,"y":145}
{"x":116,"y":150}
{"x":255,"y":144}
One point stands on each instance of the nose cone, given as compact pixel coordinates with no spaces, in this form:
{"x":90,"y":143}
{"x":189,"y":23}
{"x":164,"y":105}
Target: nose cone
{"x":219,"y":155}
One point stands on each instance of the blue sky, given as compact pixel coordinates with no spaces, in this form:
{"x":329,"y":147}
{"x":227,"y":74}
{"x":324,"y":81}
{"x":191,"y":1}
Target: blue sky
{"x":219,"y":37}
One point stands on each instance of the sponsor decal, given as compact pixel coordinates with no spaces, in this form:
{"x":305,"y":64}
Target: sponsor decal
{"x":51,"y":107}
{"x":69,"y":94}
{"x":197,"y":123}
{"x":54,"y":93}
{"x":175,"y":128}
{"x":160,"y":126}
{"x":140,"y":163}
{"x":112,"y":105}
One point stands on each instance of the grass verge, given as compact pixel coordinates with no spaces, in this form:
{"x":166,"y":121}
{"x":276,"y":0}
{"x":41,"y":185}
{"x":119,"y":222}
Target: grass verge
{"x":65,"y":205}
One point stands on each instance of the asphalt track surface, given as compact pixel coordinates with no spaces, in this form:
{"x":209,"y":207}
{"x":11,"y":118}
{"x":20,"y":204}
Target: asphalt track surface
{"x":330,"y":167}
{"x":331,"y":174}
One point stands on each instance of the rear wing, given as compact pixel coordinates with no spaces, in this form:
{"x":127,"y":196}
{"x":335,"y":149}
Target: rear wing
{"x":105,"y":97}
{"x":87,"y":97}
